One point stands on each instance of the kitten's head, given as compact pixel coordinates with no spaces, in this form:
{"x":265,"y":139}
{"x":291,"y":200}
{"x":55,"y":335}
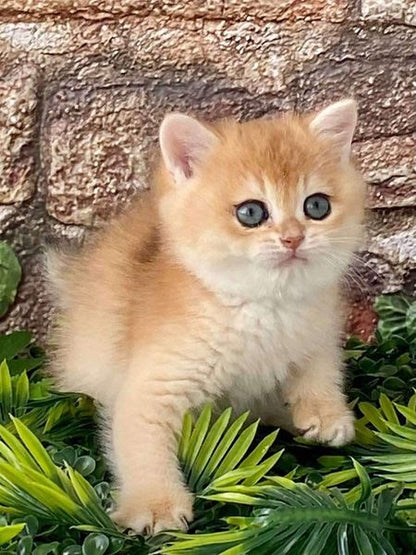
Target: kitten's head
{"x":267,"y":203}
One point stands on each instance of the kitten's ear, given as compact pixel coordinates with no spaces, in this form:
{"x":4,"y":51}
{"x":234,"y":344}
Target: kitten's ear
{"x":184,"y":142}
{"x":337,"y":124}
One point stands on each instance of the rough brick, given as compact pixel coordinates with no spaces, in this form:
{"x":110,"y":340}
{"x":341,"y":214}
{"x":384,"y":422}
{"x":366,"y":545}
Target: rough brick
{"x":18,"y":100}
{"x":262,"y":57}
{"x":387,"y":10}
{"x":392,"y":237}
{"x":333,"y":10}
{"x":92,"y":155}
{"x":389,"y":167}
{"x":386,"y":93}
{"x":387,"y":260}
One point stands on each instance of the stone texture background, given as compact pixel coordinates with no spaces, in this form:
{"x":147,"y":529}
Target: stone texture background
{"x":84,"y":85}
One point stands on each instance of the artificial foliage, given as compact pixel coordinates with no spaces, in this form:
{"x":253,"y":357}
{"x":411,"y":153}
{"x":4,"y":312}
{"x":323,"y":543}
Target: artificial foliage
{"x":257,"y":491}
{"x":10,"y":274}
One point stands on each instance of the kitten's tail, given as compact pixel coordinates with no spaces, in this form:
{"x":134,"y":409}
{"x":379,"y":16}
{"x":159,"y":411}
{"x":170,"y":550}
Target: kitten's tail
{"x":59,"y":262}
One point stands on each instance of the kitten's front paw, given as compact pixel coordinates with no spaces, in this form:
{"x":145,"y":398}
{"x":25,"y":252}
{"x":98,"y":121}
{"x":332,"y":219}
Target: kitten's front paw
{"x":155,"y":509}
{"x":324,"y":422}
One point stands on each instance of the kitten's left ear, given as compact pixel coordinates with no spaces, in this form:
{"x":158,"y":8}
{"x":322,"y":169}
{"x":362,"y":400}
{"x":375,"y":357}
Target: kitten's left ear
{"x":184,"y":143}
{"x":336,"y":123}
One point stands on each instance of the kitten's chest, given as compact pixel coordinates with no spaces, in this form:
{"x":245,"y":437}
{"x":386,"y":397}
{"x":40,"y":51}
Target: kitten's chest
{"x":261,"y":341}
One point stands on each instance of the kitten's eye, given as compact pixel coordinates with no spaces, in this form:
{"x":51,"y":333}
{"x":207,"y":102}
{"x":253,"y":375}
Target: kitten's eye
{"x":317,"y":207}
{"x":252,"y":213}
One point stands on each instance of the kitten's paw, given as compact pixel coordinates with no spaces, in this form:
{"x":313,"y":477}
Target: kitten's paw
{"x":324,"y":423}
{"x":152,"y":511}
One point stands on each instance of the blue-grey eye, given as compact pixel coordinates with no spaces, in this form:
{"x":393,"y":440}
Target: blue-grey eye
{"x":317,"y":207}
{"x":251,"y":213}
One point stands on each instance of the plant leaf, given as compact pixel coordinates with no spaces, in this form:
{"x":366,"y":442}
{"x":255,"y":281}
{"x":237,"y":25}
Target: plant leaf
{"x":7,"y":533}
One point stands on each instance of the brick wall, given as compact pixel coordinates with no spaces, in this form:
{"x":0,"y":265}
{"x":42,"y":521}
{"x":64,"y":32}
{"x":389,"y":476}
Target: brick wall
{"x":84,"y":85}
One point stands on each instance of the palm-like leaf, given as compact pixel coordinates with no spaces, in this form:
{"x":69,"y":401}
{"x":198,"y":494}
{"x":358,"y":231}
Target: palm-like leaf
{"x":52,"y":416}
{"x":220,"y":452}
{"x":30,"y":483}
{"x":388,"y":440}
{"x":293,"y":518}
{"x":386,"y":437}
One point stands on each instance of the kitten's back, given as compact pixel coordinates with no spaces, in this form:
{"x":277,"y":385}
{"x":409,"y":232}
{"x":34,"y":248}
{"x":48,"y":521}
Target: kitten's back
{"x":92,"y":290}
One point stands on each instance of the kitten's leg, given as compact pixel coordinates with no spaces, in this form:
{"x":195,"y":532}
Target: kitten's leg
{"x":318,"y":406}
{"x":152,"y":494}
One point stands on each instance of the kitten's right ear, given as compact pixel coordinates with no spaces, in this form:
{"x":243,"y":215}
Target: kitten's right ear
{"x":336,"y":123}
{"x":184,"y":142}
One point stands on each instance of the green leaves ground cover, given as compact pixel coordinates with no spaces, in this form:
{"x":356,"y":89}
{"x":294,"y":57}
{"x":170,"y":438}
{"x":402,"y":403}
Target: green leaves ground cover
{"x":388,"y":364}
{"x":10,"y":275}
{"x":256,"y":491}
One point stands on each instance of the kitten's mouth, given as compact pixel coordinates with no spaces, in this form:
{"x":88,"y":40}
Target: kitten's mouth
{"x":285,"y":261}
{"x":291,"y":259}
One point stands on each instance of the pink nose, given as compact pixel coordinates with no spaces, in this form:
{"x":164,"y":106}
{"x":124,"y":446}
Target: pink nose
{"x":291,"y":242}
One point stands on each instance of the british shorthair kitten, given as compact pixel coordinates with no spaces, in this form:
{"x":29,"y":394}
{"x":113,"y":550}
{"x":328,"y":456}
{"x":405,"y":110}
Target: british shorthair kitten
{"x":220,"y":285}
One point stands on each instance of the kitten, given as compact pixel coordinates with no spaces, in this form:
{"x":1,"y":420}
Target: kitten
{"x":222,"y":284}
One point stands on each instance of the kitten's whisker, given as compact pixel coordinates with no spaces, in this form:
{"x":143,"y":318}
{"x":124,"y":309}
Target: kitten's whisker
{"x":361,"y":262}
{"x":333,"y":263}
{"x":351,"y":273}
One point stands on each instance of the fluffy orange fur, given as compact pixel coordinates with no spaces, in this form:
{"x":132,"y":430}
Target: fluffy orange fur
{"x":176,"y":303}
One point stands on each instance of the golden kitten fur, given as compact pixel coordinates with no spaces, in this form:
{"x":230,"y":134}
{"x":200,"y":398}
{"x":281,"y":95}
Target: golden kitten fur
{"x":195,"y":295}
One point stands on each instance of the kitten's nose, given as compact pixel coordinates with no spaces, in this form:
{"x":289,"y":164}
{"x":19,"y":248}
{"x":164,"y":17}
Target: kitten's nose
{"x":292,"y":243}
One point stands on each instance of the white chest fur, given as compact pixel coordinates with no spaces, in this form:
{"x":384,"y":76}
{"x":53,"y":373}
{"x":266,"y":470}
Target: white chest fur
{"x":260,"y":342}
